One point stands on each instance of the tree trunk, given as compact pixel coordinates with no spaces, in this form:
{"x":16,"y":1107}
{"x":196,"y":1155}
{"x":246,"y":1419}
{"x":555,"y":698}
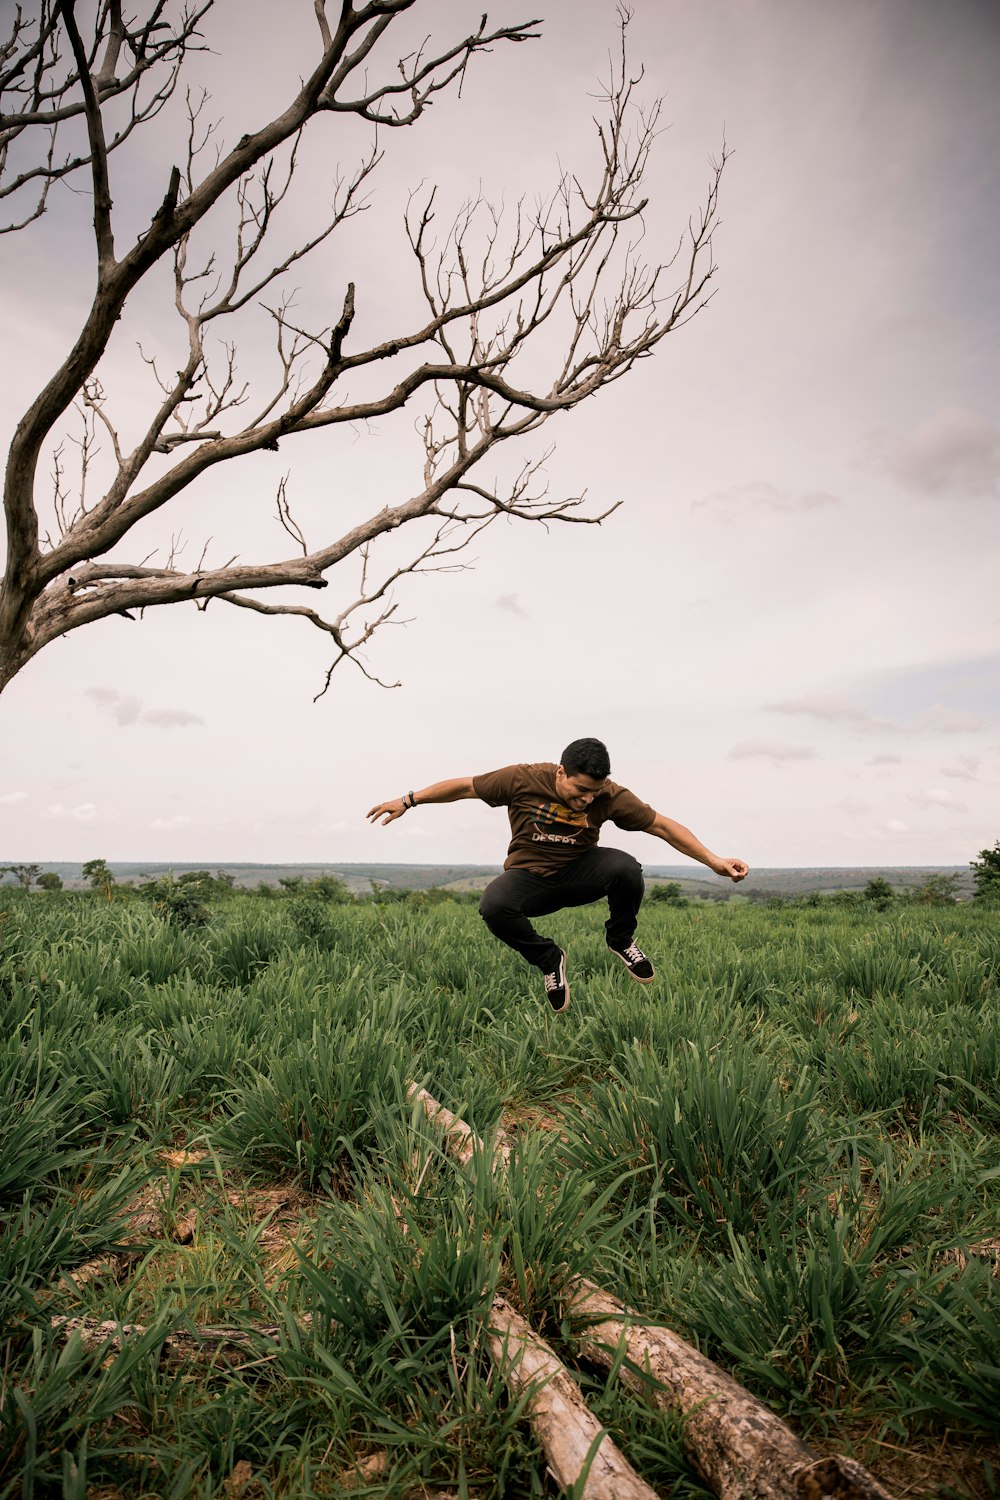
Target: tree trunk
{"x":570,"y":1435}
{"x":739,"y":1446}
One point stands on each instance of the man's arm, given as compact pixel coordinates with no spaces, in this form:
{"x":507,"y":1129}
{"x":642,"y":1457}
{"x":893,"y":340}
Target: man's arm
{"x":683,"y":839}
{"x":441,"y":791}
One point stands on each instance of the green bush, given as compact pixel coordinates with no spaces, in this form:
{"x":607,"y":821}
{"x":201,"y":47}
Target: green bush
{"x":177,"y":901}
{"x":986,"y":874}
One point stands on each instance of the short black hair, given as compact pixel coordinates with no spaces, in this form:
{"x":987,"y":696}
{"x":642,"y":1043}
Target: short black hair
{"x":586,"y":758}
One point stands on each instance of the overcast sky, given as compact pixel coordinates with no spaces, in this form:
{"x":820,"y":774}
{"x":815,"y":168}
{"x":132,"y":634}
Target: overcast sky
{"x":788,"y":632}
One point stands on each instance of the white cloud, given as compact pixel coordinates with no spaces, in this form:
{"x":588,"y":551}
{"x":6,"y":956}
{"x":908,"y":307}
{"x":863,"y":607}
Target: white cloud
{"x":854,"y":805}
{"x":938,"y":797}
{"x":895,"y":826}
{"x":943,"y":720}
{"x":759,"y":496}
{"x":11,"y":799}
{"x":84,"y":812}
{"x":768,"y":750}
{"x":935,"y":720}
{"x":126,"y":709}
{"x":953,"y":452}
{"x":179,"y":820}
{"x":122,"y":707}
{"x":966,"y":769}
{"x":885,"y":760}
{"x":169,"y":718}
{"x":821,"y":707}
{"x":511,"y":603}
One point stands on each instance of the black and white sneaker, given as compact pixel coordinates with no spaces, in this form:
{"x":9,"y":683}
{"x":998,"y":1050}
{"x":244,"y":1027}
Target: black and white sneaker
{"x":636,"y":962}
{"x":556,"y":987}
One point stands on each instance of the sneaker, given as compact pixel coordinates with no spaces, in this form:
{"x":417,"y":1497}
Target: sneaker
{"x":556,"y":987}
{"x":636,"y":962}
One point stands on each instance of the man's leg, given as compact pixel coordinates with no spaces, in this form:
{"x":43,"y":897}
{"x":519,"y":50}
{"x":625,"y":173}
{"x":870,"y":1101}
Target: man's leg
{"x":616,"y":875}
{"x":611,"y":873}
{"x":506,"y":904}
{"x":516,"y":895}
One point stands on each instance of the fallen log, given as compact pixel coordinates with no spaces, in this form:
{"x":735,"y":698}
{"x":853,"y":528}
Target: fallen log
{"x":141,"y":1219}
{"x":468,"y":1143}
{"x":575,"y":1444}
{"x":739,"y":1446}
{"x":202,"y":1345}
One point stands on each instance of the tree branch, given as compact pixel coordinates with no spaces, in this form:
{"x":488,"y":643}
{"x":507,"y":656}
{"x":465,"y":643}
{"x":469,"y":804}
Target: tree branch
{"x":526,"y":314}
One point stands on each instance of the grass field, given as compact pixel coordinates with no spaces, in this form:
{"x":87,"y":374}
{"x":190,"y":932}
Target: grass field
{"x":787,"y":1150}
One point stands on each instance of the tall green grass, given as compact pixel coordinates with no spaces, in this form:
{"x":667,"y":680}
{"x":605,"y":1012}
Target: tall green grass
{"x":788,"y":1148}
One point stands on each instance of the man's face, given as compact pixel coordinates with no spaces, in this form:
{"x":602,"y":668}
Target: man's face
{"x":577,"y":791}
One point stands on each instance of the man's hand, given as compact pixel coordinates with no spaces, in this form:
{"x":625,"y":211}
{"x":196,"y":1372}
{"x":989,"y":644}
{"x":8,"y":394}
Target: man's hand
{"x":679,"y":837}
{"x":391,"y":810}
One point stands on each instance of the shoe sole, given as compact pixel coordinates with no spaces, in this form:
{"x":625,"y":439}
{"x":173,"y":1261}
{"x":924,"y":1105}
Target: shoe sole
{"x":637,"y":977}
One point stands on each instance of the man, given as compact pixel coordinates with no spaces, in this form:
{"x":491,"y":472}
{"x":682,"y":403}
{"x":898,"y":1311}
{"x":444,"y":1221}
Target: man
{"x":556,"y":813}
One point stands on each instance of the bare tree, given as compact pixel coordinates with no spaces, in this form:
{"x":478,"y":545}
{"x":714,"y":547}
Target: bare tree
{"x":523,"y":314}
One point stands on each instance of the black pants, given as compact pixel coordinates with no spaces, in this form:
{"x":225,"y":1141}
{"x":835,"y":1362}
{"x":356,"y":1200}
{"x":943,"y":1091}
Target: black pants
{"x":516,"y":895}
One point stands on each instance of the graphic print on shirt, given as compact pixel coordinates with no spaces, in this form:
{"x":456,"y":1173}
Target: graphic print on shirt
{"x":557,"y":824}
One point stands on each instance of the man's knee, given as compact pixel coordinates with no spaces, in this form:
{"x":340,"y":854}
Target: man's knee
{"x":496,"y":901}
{"x":623,"y":871}
{"x":488,"y":905}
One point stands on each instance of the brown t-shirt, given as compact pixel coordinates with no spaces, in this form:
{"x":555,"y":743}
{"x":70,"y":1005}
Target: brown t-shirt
{"x":545,"y":833}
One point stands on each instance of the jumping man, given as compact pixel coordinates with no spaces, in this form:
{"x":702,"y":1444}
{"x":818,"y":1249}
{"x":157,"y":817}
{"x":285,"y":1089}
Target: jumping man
{"x":553,"y":861}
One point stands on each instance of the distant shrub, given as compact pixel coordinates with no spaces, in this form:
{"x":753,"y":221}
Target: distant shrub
{"x":177,"y":901}
{"x":387,"y":895}
{"x":669,"y":893}
{"x":435,"y":895}
{"x":880,"y":893}
{"x":330,"y":888}
{"x":850,"y":899}
{"x":936,"y":890}
{"x":986,"y":874}
{"x":311,"y":919}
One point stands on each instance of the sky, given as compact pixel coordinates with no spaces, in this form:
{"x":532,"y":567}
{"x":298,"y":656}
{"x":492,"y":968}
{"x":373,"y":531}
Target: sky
{"x":787,"y":633}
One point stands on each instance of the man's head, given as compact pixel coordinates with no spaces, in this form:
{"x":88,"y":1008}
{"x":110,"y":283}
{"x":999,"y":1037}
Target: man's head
{"x":582,"y":771}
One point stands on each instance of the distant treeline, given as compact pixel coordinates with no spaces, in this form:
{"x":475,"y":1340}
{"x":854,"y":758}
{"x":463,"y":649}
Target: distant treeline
{"x":186,"y":899}
{"x":362,"y":879}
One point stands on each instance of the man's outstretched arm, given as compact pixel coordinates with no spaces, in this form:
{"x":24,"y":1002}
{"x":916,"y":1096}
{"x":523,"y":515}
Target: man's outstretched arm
{"x":441,"y":791}
{"x":683,"y":839}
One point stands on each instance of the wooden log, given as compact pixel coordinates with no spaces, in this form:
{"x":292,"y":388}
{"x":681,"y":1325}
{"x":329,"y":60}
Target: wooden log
{"x":141,"y":1219}
{"x":467,"y":1142}
{"x":739,"y":1446}
{"x":567,"y":1430}
{"x":202,"y":1345}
